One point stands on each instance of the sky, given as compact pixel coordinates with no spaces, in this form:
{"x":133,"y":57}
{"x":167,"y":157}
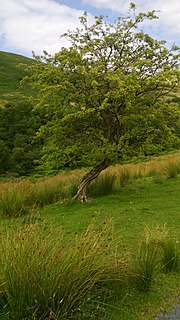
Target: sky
{"x":36,"y":25}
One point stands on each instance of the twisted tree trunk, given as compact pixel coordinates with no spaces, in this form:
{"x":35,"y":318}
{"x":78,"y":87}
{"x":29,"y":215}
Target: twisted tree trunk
{"x":86,"y":180}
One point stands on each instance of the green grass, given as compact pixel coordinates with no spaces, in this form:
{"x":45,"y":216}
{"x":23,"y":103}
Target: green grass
{"x":141,"y":203}
{"x":102,"y":186}
{"x":10,"y":76}
{"x":12,"y":204}
{"x":44,"y":276}
{"x":146,"y":262}
{"x":124,"y":178}
{"x":170,"y":255}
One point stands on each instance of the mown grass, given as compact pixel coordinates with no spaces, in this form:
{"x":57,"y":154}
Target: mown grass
{"x":139,"y":272}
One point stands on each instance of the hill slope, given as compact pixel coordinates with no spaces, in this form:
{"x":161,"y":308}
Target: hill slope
{"x":11,"y":74}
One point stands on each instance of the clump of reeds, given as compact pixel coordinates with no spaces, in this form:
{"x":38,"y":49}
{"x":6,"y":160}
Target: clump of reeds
{"x":147,"y":260}
{"x":13,"y":198}
{"x":102,"y":186}
{"x":18,"y":198}
{"x":124,"y":177}
{"x":170,"y":256}
{"x":43,"y":275}
{"x":173,"y":169}
{"x":158,"y":177}
{"x":169,"y":253}
{"x":157,"y":251}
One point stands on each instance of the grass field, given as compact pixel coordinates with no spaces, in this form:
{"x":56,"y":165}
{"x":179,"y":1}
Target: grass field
{"x":141,"y":204}
{"x":148,"y":200}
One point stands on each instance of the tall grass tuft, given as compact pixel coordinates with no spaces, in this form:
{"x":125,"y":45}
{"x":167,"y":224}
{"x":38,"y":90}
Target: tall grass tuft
{"x":172,"y":170}
{"x":44,"y":193}
{"x":124,"y":177}
{"x":53,"y":189}
{"x":13,"y":203}
{"x":72,"y":187}
{"x":158,"y":177}
{"x":102,"y":186}
{"x":44,"y":275}
{"x":157,"y":251}
{"x":169,"y":255}
{"x":147,"y":260}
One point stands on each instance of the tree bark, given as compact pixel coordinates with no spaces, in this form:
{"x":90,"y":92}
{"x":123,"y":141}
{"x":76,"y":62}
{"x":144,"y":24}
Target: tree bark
{"x":86,"y":180}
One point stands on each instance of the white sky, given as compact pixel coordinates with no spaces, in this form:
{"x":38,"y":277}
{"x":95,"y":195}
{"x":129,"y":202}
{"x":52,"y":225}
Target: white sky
{"x":27,"y":25}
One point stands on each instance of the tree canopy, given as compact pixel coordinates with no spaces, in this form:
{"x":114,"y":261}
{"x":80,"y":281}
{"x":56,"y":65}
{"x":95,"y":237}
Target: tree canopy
{"x":18,"y":125}
{"x":106,"y":96}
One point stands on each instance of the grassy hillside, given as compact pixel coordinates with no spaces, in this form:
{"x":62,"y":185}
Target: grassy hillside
{"x":11,"y":74}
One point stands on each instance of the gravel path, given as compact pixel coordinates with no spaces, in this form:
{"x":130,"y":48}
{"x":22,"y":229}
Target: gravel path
{"x":174,"y":315}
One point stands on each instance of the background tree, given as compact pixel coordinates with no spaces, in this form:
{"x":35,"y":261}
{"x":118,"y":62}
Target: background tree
{"x":4,"y":158}
{"x":104,"y":96}
{"x":18,"y":125}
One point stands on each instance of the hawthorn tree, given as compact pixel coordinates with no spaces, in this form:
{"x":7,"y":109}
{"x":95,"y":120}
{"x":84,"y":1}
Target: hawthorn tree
{"x":106,"y":96}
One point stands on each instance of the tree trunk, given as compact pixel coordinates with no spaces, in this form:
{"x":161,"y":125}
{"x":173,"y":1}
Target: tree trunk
{"x":86,"y":180}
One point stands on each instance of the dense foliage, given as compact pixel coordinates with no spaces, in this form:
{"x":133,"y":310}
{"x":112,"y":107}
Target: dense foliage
{"x":18,"y":121}
{"x":18,"y":125}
